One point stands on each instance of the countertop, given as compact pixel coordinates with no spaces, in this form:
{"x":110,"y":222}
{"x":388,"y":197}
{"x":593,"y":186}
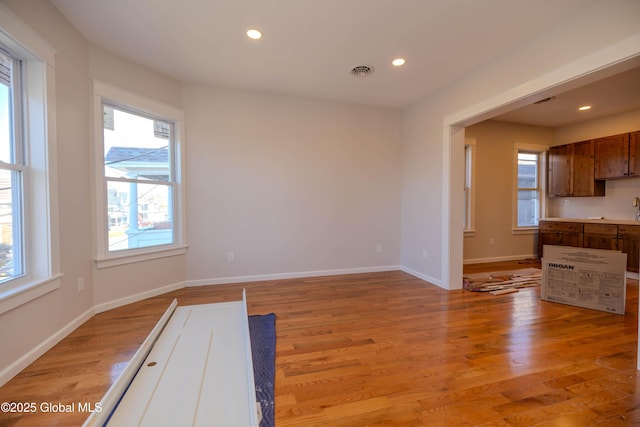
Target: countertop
{"x":594,"y":220}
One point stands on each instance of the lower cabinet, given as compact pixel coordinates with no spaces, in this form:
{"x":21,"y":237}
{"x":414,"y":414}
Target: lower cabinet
{"x":600,"y":236}
{"x":629,"y":243}
{"x":560,"y":234}
{"x":622,"y":237}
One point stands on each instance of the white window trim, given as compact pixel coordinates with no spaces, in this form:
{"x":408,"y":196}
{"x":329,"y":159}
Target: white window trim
{"x":541,"y":149}
{"x":471,"y":230}
{"x":119,"y":97}
{"x":42,"y":244}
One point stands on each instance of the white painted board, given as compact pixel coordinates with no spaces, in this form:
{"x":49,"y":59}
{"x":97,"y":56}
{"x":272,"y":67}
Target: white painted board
{"x":198,"y":373}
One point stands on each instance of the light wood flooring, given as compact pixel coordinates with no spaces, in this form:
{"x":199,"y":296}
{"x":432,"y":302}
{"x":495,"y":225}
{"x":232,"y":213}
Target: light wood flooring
{"x":384,"y":349}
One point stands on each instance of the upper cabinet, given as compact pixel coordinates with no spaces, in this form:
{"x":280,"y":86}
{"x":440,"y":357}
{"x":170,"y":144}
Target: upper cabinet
{"x":571,"y":171}
{"x":634,"y":153}
{"x":612,"y":156}
{"x":617,"y":156}
{"x":584,"y":183}
{"x":579,"y":169}
{"x":559,"y":170}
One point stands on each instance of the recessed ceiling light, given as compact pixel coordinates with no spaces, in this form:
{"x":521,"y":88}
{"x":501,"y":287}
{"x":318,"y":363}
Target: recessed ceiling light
{"x":585,"y":108}
{"x":398,"y":62}
{"x":254,"y":34}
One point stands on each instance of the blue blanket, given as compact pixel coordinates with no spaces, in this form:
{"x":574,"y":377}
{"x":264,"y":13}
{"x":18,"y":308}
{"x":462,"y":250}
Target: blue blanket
{"x":262,"y":329}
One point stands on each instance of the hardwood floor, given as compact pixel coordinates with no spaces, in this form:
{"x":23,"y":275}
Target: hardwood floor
{"x":384,"y":349}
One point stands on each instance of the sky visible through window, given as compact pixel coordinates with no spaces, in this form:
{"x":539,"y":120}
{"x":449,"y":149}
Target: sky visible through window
{"x":5,"y":134}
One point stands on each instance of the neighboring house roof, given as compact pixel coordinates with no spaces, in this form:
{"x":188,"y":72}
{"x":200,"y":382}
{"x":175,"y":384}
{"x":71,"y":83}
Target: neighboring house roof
{"x":136,"y":155}
{"x":150,"y":163}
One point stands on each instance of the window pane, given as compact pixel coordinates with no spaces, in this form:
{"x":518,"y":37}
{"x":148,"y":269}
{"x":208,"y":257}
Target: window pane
{"x":139,"y":215}
{"x":528,"y":208}
{"x":468,"y":162}
{"x":527,"y":170}
{"x":135,"y":146}
{"x":10,"y":247}
{"x":5,"y":123}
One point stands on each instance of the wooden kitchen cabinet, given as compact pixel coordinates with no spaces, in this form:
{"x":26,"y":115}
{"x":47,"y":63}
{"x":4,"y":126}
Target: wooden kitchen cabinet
{"x":634,"y":153}
{"x":612,"y":156}
{"x":629,"y":243}
{"x":583,"y":178}
{"x":621,"y":237}
{"x":571,"y":171}
{"x":600,"y":236}
{"x":559,"y":170}
{"x":559,"y":234}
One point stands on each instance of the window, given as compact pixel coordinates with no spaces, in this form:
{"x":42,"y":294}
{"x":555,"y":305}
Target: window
{"x":139,"y":145}
{"x":12,"y":170}
{"x":138,"y":169}
{"x":529,"y":186}
{"x":29,"y":247}
{"x":469,"y":186}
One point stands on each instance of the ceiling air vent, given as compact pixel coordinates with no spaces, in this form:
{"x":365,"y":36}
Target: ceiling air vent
{"x":362,"y":70}
{"x":542,"y":101}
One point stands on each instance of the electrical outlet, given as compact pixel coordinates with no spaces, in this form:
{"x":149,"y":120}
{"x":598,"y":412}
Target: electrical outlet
{"x":378,"y":249}
{"x":492,"y":241}
{"x":425,"y":254}
{"x":80,"y":284}
{"x":231,"y":256}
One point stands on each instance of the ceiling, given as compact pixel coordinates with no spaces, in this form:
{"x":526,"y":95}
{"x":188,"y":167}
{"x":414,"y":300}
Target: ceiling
{"x":310,"y":46}
{"x":608,"y":96}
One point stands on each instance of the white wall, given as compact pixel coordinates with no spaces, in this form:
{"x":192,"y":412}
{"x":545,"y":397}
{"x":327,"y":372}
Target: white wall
{"x":289,"y":185}
{"x":124,"y":74}
{"x":422,"y":191}
{"x":605,"y":33}
{"x":494,"y":190}
{"x":619,"y":193}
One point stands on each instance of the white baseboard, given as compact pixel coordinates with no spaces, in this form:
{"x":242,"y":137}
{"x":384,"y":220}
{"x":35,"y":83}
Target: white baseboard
{"x":498,"y":259}
{"x":12,"y":370}
{"x":422,"y":276}
{"x":137,"y":297}
{"x":295,"y":275}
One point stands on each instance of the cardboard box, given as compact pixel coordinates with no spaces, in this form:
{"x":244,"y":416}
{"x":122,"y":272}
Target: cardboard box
{"x":589,"y":278}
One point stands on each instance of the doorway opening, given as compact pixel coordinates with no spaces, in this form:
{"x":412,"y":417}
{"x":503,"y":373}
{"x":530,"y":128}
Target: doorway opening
{"x":579,"y":73}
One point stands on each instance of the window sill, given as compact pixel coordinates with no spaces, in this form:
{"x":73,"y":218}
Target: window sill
{"x":131,"y":257}
{"x":524,"y":230}
{"x":26,"y":292}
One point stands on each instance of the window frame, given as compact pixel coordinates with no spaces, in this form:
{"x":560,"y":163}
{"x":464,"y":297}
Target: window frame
{"x":541,"y":151}
{"x":120,"y":98}
{"x":41,"y":273}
